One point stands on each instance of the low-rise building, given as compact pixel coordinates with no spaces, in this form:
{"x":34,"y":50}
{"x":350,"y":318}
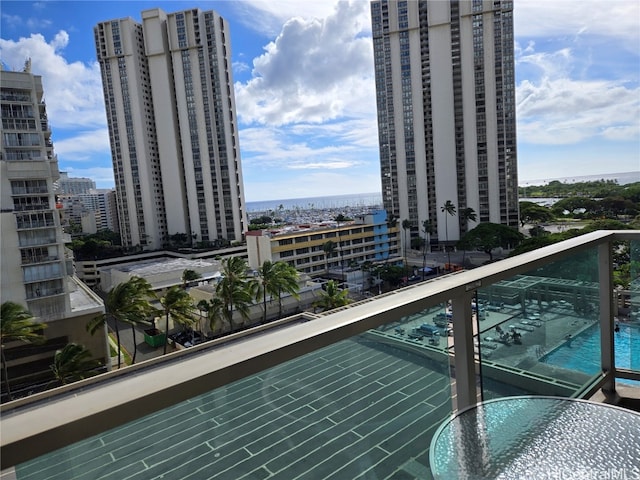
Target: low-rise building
{"x":365,"y":238}
{"x":89,"y":270}
{"x":160,"y":273}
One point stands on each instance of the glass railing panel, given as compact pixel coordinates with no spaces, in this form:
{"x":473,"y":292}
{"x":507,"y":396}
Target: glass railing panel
{"x":365,"y":407}
{"x":539,"y":332}
{"x":431,"y":327}
{"x":627,"y":340}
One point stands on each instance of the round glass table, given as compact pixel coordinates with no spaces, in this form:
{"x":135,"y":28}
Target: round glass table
{"x":538,"y":437}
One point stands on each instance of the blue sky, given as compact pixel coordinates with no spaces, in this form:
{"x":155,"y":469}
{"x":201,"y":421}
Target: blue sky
{"x":305,"y":94}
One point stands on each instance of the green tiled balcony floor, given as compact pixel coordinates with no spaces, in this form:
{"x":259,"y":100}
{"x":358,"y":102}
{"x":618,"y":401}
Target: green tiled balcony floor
{"x":354,"y":409}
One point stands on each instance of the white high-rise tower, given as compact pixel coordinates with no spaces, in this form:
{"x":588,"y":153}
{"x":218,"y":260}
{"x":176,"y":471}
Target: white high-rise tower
{"x":170,"y":105}
{"x":446,"y":112}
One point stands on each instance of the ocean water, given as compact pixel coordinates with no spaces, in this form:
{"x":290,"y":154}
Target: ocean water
{"x":375,"y":198}
{"x":332,"y":201}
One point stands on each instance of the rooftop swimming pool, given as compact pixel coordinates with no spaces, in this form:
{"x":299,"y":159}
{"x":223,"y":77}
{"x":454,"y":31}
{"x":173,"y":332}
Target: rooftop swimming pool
{"x":582,"y":353}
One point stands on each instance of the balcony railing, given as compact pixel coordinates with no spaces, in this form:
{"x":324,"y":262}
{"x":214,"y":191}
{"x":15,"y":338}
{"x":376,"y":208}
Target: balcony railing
{"x":357,"y":392}
{"x":31,"y":259}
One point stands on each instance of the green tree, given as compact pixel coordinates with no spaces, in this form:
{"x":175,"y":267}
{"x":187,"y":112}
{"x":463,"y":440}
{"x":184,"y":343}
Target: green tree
{"x":16,"y":323}
{"x":189,"y":276}
{"x":572,"y":205}
{"x":72,"y":363}
{"x":533,"y":213}
{"x":612,"y":207}
{"x":392,"y":274}
{"x":203,"y":307}
{"x":274,"y":279}
{"x":332,"y":297}
{"x":215,"y":312}
{"x":448,"y":209}
{"x":328,"y":248}
{"x":178,"y":239}
{"x":288,"y":282}
{"x":176,"y":303}
{"x":487,"y":236}
{"x":234,"y":289}
{"x":468,"y":215}
{"x":127,"y":302}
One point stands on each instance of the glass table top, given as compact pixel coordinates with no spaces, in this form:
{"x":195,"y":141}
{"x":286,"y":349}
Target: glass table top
{"x":537,"y":437}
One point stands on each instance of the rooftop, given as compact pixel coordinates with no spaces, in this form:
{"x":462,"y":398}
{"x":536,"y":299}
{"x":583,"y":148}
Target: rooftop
{"x":82,"y":299}
{"x":147,"y":268}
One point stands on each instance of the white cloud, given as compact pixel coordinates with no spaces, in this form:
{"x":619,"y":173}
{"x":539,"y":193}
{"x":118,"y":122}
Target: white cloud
{"x":305,"y":146}
{"x":73,"y":91}
{"x":267,"y":17}
{"x":335,"y":165}
{"x":239,"y":67}
{"x":308,"y":110}
{"x":571,"y":18}
{"x":265,"y":149}
{"x":83,"y":145}
{"x":560,"y":104}
{"x":300,"y":78}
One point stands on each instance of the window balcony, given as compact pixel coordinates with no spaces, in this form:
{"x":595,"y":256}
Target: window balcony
{"x":33,"y":259}
{"x":358,"y":392}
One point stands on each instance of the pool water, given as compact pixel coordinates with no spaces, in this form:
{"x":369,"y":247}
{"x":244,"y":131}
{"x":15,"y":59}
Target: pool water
{"x":583,"y":352}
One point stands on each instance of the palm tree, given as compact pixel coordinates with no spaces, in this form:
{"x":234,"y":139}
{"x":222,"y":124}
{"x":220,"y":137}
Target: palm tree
{"x":267,"y":279}
{"x":449,"y":209}
{"x":177,"y":304}
{"x":287,"y":282}
{"x":272,"y":280}
{"x":234,"y":289}
{"x":189,"y":276}
{"x":328,"y":247}
{"x":203,"y":306}
{"x":127,"y":302}
{"x":16,"y":323}
{"x":427,"y":228}
{"x":72,"y":363}
{"x":468,"y":215}
{"x":332,"y":297}
{"x":215,"y":312}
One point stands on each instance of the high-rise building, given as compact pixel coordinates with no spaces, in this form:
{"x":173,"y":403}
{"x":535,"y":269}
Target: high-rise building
{"x":89,"y":212}
{"x":67,"y":185}
{"x":33,"y":255}
{"x":170,"y":106}
{"x":36,"y":271}
{"x":446,"y":113}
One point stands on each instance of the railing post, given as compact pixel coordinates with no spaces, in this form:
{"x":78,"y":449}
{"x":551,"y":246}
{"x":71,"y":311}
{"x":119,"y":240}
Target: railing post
{"x":464,"y":361}
{"x":605,"y":278}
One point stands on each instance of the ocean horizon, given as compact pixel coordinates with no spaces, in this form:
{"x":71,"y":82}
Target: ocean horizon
{"x":330,"y":201}
{"x":374,"y":199}
{"x":622,"y":179}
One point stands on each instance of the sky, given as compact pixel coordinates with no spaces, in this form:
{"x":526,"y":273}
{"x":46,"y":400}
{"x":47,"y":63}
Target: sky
{"x":305,"y":94}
